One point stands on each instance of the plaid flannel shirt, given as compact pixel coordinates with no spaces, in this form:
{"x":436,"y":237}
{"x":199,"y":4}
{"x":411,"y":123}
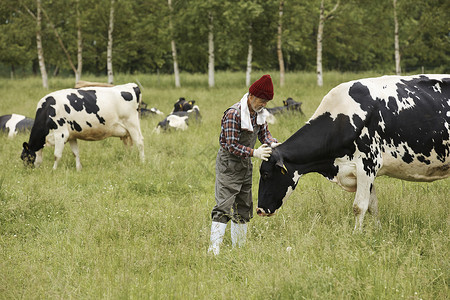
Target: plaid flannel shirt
{"x":231,"y":131}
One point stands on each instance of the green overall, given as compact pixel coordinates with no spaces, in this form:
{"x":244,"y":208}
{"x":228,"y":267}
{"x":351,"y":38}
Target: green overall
{"x":233,"y":191}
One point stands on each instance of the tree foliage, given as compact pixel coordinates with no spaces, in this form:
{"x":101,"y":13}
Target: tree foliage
{"x":359,"y":37}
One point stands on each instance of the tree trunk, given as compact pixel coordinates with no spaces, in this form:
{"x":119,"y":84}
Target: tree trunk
{"x":279,"y":49}
{"x":176,"y":72}
{"x":40,"y":49}
{"x":398,"y":69}
{"x":322,"y":18}
{"x":211,"y":51}
{"x":248,"y":73}
{"x":110,"y":44}
{"x":61,"y":44}
{"x":319,"y":46}
{"x":80,"y":45}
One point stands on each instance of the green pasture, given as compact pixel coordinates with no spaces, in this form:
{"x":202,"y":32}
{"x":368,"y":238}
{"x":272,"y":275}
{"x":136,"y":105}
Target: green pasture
{"x":120,"y":229}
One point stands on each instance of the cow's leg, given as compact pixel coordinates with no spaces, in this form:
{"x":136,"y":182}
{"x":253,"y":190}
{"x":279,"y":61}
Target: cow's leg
{"x":137,"y":139}
{"x":373,"y":206}
{"x":74,"y":146}
{"x":127,"y":140}
{"x":362,"y":197}
{"x":59,"y":147}
{"x":39,"y":158}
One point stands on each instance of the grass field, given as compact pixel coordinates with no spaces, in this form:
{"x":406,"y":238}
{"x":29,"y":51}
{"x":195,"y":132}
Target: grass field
{"x":120,"y":229}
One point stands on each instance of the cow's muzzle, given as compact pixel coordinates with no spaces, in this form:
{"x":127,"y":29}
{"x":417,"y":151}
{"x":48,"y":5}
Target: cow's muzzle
{"x":262,"y":213}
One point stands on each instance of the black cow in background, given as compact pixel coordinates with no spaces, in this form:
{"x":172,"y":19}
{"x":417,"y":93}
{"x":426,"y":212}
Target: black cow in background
{"x":183,"y":114}
{"x":183,"y":105}
{"x":14,"y":124}
{"x":289,"y":105}
{"x":292,"y":105}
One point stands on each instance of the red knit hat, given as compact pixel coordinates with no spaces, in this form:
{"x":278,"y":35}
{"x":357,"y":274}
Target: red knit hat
{"x":262,"y":88}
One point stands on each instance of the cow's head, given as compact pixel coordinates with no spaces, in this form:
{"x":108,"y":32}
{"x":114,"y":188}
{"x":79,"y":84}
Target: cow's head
{"x":28,"y":156}
{"x":277,"y":181}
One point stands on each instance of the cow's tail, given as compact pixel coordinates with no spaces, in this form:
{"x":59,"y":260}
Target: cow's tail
{"x":137,"y":91}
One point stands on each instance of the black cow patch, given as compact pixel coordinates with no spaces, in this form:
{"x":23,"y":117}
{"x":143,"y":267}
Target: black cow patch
{"x":137,"y":91}
{"x":43,"y":123}
{"x":67,"y":108}
{"x":87,"y":102}
{"x":76,"y":126}
{"x":127,"y":96}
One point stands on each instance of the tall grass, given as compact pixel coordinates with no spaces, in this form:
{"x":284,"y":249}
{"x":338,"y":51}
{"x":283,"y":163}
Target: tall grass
{"x":120,"y":229}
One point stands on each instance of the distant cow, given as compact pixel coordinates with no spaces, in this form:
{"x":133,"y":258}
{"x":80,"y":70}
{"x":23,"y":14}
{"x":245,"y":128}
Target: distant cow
{"x":92,"y":113}
{"x":146,"y":112}
{"x":289,"y":105}
{"x":179,"y":120}
{"x":183,"y":105}
{"x":391,"y":125}
{"x":293,"y":105}
{"x":14,"y":124}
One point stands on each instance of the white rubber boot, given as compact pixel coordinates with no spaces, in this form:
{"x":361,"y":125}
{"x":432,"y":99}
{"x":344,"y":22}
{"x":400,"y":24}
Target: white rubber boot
{"x":217,"y":233}
{"x":238,"y":234}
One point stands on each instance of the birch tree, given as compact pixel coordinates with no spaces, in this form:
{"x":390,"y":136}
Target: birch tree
{"x":109,"y":65}
{"x":398,"y":69}
{"x":211,"y":50}
{"x":322,"y":18}
{"x":61,"y":43}
{"x":79,"y":45}
{"x":279,"y":48}
{"x":248,"y":72}
{"x":174,"y":48}
{"x":40,"y":49}
{"x":41,"y":11}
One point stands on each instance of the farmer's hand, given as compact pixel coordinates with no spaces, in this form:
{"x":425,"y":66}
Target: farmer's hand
{"x":274,"y":145}
{"x":263,"y":152}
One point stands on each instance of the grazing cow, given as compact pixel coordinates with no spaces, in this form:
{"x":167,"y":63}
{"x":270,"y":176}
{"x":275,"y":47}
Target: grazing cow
{"x":183,"y":105}
{"x":15,"y":123}
{"x":391,"y":125}
{"x":91,"y":113}
{"x":179,"y":120}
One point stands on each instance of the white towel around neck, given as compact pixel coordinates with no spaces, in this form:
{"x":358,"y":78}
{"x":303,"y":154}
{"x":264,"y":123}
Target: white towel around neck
{"x":246,"y":122}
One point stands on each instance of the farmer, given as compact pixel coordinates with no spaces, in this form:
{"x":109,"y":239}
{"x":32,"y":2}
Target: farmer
{"x":242,"y":123}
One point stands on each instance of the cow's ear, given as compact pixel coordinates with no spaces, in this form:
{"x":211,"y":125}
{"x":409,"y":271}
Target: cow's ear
{"x":192,"y":102}
{"x":284,"y":103}
{"x":282,"y":167}
{"x":25,"y":146}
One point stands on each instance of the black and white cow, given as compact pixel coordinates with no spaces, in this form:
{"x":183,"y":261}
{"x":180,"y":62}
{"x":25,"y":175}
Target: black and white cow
{"x":14,"y":124}
{"x":179,"y":120}
{"x":91,"y":113}
{"x":391,"y":125}
{"x":147,"y":112}
{"x":183,"y":105}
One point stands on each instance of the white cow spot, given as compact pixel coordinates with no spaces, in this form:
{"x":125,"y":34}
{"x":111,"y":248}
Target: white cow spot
{"x":290,"y":189}
{"x":177,"y":122}
{"x":437,"y":88}
{"x":296,"y":177}
{"x":12,"y":123}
